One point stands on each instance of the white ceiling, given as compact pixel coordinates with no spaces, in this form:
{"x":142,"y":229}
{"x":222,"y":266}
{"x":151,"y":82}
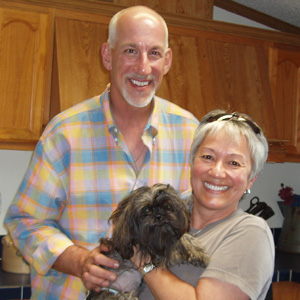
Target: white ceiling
{"x":285,"y":10}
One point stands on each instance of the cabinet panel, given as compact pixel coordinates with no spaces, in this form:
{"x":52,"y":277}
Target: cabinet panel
{"x":194,"y":8}
{"x":213,"y":71}
{"x":80,"y":71}
{"x":245,"y":74}
{"x":24,"y":48}
{"x":285,"y":83}
{"x":183,"y":84}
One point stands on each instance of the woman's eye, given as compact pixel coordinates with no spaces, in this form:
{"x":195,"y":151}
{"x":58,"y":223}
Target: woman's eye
{"x":207,"y":156}
{"x":235,"y":163}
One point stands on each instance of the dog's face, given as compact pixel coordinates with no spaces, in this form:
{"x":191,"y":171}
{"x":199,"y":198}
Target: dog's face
{"x":153,"y":218}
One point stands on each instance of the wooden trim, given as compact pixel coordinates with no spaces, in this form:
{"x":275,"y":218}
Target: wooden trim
{"x":256,"y":16}
{"x":101,"y":7}
{"x":82,"y":8}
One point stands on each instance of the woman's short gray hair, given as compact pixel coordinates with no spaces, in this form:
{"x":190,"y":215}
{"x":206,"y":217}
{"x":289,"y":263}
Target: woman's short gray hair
{"x":234,"y":124}
{"x":112,"y":28}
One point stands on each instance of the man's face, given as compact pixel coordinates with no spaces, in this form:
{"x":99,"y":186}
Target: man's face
{"x":139,"y":59}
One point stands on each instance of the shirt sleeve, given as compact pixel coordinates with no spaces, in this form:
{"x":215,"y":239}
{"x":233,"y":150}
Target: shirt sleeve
{"x":33,"y":217}
{"x":245,"y":259}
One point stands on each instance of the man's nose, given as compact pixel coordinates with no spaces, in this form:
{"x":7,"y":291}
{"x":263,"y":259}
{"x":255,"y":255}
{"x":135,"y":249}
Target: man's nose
{"x":144,"y":64}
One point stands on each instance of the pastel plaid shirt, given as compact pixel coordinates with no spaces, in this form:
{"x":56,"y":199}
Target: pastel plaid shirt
{"x":80,"y":170}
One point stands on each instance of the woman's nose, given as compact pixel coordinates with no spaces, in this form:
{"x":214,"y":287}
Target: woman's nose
{"x":218,"y":170}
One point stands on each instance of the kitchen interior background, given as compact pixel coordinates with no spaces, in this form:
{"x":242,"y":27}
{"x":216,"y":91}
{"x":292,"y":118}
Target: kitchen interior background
{"x":13,"y":164}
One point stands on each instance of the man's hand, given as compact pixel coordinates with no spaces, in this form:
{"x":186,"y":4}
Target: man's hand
{"x":87,"y":264}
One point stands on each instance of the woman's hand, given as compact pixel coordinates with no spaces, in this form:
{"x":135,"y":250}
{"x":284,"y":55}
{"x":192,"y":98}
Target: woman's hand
{"x":137,"y":258}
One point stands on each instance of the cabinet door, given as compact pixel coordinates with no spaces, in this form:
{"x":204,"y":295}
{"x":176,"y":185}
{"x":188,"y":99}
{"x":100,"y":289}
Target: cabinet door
{"x":238,"y":73}
{"x":24,"y":63}
{"x":285,"y":83}
{"x":81,"y":74}
{"x":221,"y":71}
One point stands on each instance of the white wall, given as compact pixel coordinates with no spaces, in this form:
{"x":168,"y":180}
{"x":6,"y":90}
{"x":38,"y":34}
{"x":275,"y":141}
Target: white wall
{"x":13,"y":164}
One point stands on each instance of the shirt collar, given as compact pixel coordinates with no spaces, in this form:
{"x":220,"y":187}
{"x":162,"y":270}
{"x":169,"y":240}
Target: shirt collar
{"x":151,"y":127}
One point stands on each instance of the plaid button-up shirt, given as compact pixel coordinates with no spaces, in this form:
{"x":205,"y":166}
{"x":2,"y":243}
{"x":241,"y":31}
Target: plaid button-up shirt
{"x":80,"y":170}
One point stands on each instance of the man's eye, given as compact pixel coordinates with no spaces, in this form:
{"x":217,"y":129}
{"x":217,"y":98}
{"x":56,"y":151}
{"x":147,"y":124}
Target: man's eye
{"x":130,"y":51}
{"x":156,"y":53}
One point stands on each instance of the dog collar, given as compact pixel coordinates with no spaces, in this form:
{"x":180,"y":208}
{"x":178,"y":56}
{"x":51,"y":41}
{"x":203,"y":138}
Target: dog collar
{"x":110,"y":290}
{"x":146,"y":269}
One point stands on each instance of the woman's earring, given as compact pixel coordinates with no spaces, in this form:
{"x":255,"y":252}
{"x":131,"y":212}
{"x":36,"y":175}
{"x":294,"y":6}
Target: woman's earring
{"x":247,"y":191}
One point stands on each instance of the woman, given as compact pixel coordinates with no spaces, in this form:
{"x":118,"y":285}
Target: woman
{"x":228,"y":152}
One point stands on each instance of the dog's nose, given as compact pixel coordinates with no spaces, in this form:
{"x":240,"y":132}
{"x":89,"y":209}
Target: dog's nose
{"x":158,"y":217}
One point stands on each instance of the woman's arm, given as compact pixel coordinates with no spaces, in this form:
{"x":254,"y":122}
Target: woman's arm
{"x":164,"y":285}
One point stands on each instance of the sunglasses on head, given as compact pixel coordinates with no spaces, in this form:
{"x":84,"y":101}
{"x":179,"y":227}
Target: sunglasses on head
{"x":235,"y":117}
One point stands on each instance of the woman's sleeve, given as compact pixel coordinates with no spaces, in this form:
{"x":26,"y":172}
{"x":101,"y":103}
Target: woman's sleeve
{"x":245,"y":258}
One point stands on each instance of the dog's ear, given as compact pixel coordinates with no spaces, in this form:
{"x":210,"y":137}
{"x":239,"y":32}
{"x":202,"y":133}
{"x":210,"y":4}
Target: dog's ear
{"x":181,"y":206}
{"x":122,"y":221}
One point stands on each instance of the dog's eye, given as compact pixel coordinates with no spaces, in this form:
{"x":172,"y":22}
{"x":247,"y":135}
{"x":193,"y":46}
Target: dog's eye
{"x":169,"y":206}
{"x":146,"y":210}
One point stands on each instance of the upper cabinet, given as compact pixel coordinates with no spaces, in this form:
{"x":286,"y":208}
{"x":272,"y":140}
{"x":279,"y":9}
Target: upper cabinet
{"x":250,"y":73}
{"x":284,"y":74}
{"x":25,"y":60}
{"x":215,"y":66}
{"x":78,"y":58}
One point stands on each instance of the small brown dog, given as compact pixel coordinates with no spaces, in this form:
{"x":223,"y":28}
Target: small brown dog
{"x":155,"y":220}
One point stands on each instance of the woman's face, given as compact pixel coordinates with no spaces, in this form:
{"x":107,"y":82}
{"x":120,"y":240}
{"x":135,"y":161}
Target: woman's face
{"x":220,"y":174}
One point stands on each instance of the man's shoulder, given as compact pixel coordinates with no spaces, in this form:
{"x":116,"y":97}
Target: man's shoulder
{"x":82,"y":107}
{"x":80,"y":112}
{"x":168,"y":107}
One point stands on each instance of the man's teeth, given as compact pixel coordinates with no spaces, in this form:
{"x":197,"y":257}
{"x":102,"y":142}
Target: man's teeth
{"x":140,"y":83}
{"x":215,"y":187}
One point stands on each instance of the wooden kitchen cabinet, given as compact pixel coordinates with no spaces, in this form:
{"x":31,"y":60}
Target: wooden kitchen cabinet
{"x":240,"y":72}
{"x":215,"y":66}
{"x":250,"y":73}
{"x":26,"y":53}
{"x":284,"y":67}
{"x":78,"y":58}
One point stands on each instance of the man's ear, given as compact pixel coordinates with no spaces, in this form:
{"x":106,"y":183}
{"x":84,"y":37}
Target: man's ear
{"x":168,"y":61}
{"x":106,"y":56}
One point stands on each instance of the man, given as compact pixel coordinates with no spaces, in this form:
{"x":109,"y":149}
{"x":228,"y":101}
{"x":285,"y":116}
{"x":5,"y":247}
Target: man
{"x":94,"y":154}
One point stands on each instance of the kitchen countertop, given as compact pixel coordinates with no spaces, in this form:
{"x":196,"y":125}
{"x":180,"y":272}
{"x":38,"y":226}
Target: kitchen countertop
{"x":11,"y":280}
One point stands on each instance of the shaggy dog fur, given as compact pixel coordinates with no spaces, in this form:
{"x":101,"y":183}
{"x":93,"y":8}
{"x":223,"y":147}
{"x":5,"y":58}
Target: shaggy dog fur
{"x":155,"y":221}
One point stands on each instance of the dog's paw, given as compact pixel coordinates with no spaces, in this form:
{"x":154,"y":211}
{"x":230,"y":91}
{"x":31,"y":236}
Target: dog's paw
{"x":189,"y":250}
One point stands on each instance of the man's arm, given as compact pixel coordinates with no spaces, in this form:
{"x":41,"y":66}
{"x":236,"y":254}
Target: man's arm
{"x":80,"y":262}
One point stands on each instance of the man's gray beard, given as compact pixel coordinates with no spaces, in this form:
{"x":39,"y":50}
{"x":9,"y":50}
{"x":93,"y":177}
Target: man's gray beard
{"x":137,"y":103}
